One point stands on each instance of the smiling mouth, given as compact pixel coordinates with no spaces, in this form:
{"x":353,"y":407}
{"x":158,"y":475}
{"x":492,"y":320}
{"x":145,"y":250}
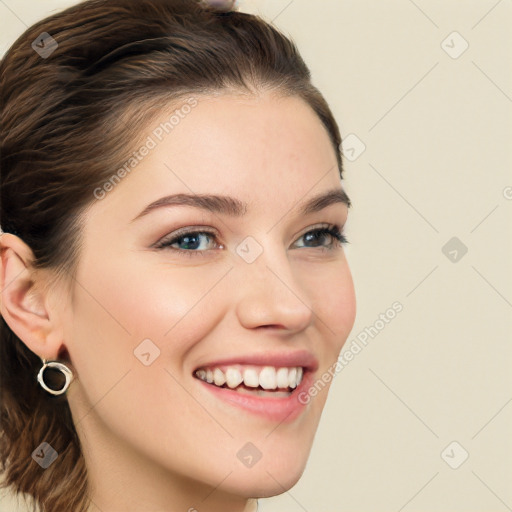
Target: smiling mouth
{"x":264,"y":381}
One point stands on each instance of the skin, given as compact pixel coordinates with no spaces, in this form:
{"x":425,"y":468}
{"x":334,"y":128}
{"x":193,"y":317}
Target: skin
{"x":151,"y":435}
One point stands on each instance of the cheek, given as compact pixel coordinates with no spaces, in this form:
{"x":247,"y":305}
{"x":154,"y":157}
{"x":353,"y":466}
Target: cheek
{"x":116,"y":308}
{"x":333,"y":301}
{"x":159,"y":299}
{"x":110,"y":321}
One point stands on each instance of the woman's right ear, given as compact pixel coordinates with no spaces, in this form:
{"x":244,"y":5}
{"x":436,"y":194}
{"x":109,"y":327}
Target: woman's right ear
{"x":22,"y":306}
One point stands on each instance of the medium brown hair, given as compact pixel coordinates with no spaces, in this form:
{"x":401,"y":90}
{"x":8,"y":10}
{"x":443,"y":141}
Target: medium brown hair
{"x":67,"y":121}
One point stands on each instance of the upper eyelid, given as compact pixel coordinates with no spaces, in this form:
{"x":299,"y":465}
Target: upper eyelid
{"x":209,"y":230}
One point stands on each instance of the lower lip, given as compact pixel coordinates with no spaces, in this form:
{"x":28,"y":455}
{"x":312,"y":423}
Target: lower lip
{"x":282,"y":410}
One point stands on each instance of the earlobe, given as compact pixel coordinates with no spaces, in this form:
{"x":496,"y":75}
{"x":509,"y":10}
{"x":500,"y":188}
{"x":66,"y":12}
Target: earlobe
{"x":22,"y":306}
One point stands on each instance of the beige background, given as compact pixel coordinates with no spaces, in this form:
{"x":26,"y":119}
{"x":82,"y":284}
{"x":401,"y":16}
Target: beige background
{"x":437,"y":164}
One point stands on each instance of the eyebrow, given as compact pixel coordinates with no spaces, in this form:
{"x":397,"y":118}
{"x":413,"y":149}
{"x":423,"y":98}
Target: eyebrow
{"x":228,"y":205}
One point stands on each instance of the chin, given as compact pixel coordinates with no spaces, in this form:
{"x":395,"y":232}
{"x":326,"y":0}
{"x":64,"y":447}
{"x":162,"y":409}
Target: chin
{"x":270,"y":479}
{"x":286,"y":482}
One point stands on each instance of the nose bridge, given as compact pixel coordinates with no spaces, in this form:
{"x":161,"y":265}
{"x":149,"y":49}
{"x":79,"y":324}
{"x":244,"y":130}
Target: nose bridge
{"x":268,"y":290}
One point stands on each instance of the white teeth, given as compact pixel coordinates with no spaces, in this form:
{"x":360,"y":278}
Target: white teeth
{"x":268,"y":378}
{"x":292,"y":378}
{"x":251,"y":378}
{"x":218,"y":377}
{"x":201,"y":374}
{"x":300,"y":374}
{"x":282,"y":378}
{"x":233,"y":377}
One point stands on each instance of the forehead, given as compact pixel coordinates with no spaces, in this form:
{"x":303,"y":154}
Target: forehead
{"x":262,"y":148}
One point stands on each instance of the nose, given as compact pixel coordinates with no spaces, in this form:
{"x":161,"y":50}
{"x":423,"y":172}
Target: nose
{"x":270,"y":294}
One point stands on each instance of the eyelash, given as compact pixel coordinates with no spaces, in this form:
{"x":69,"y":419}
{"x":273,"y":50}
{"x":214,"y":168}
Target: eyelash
{"x":332,"y":229}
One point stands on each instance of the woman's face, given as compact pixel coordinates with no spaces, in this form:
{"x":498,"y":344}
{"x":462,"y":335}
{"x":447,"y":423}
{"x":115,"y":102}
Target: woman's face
{"x":257,"y":292}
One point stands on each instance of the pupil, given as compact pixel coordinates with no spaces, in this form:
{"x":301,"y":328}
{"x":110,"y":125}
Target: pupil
{"x":312,"y":237}
{"x":189,"y":237}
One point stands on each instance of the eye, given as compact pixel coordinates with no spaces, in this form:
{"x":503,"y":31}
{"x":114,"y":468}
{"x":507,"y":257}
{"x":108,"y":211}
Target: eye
{"x":189,"y":242}
{"x":332,"y":231}
{"x":197,"y":242}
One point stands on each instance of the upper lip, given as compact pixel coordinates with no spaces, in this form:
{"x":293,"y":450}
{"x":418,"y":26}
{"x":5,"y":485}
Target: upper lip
{"x":277,"y":359}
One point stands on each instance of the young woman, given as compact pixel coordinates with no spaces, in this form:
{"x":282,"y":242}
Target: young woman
{"x":175,"y":292}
